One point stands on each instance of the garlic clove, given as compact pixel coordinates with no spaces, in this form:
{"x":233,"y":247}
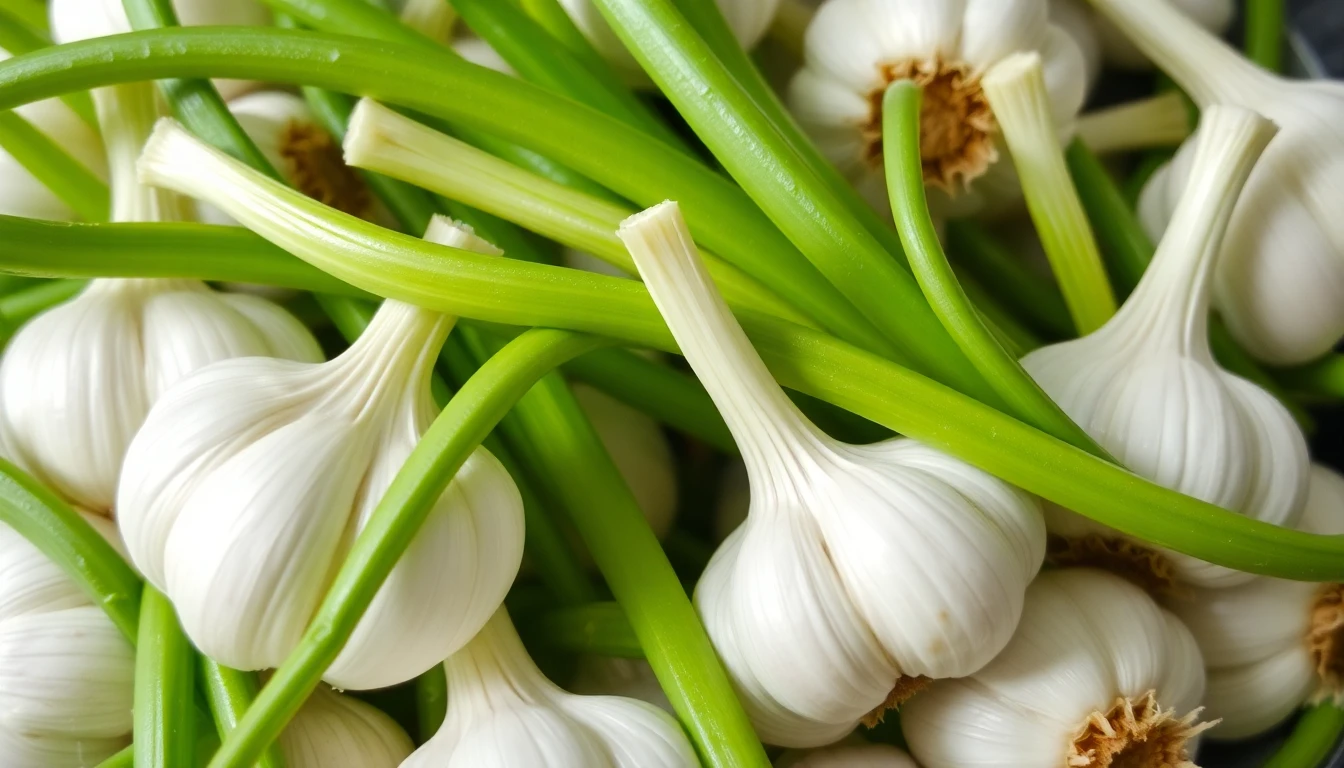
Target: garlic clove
{"x":847,"y":755}
{"x":797,"y":599}
{"x":29,"y":582}
{"x":1080,"y":23}
{"x":283,"y":335}
{"x":1250,"y":699}
{"x":331,"y":729}
{"x":640,"y":450}
{"x":29,"y":750}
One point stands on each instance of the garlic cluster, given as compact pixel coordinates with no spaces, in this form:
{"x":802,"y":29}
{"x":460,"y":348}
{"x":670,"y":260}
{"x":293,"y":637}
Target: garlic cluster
{"x":66,"y":672}
{"x":855,"y":48}
{"x":331,"y":729}
{"x":749,"y":20}
{"x":861,"y":572}
{"x":1096,"y":675}
{"x":1280,"y":279}
{"x":1270,"y":644}
{"x":851,"y":753}
{"x":1147,"y":387}
{"x":248,"y":481}
{"x":503,"y":712}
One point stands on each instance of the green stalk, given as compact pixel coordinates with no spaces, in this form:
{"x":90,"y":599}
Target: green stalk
{"x":1028,"y":296}
{"x":1016,"y":338}
{"x":66,"y":177}
{"x":553,"y":18}
{"x":30,"y":13}
{"x":13,"y":283}
{"x":1265,"y":33}
{"x":72,"y":544}
{"x":1314,"y":738}
{"x":905,"y":190}
{"x":18,"y":38}
{"x":164,"y":671}
{"x":599,"y":628}
{"x":123,"y":759}
{"x":230,"y":693}
{"x":805,"y":207}
{"x":1017,"y":92}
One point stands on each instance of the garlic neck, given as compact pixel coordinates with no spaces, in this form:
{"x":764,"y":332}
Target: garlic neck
{"x":494,"y":670}
{"x":766,"y":425}
{"x":1205,"y":66}
{"x":395,"y":355}
{"x":1325,"y":639}
{"x":127,"y":114}
{"x":1170,"y":306}
{"x":1134,"y":733}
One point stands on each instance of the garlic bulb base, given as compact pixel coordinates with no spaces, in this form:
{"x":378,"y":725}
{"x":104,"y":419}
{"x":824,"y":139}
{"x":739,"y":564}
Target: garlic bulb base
{"x":1137,"y":733}
{"x":905,"y":689}
{"x":1146,"y":568}
{"x":1326,"y":641}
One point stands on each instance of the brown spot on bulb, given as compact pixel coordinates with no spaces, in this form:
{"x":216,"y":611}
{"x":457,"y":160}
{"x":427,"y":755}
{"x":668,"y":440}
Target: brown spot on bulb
{"x":318,"y":169}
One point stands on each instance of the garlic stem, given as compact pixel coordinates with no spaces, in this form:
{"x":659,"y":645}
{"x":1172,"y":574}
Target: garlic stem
{"x":1017,"y":92}
{"x":764,"y":422}
{"x":127,"y":113}
{"x":1207,"y":68}
{"x":386,"y":142}
{"x":1158,"y":121}
{"x":164,"y":674}
{"x":1230,"y":140}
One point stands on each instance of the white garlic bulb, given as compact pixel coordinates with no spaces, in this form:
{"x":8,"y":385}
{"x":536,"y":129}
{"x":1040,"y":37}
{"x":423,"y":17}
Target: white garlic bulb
{"x":23,"y":195}
{"x":610,"y":676}
{"x":1097,"y":675}
{"x":640,"y":451}
{"x":861,"y":571}
{"x":1075,"y":18}
{"x":331,"y":729}
{"x":1147,"y":387}
{"x":1280,"y":279}
{"x":856,"y":48}
{"x":66,"y":672}
{"x":73,"y":20}
{"x":1120,"y":52}
{"x":749,"y":20}
{"x":1271,"y":645}
{"x":503,"y":712}
{"x":851,"y":753}
{"x":240,"y":496}
{"x":78,"y":379}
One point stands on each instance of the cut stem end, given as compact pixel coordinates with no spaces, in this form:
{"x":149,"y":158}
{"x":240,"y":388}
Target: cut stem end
{"x":1135,"y":734}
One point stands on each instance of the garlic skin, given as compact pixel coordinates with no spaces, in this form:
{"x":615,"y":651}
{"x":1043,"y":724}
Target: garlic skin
{"x":66,"y":672}
{"x":503,"y":712}
{"x":77,"y":380}
{"x":851,"y":753}
{"x":1280,"y":278}
{"x":855,"y":48}
{"x":1094,"y":667}
{"x":641,"y":453}
{"x":242,"y":492}
{"x":749,"y":20}
{"x":333,"y":730}
{"x":23,"y":195}
{"x":1271,"y":645}
{"x":1147,"y":388}
{"x":799,"y":600}
{"x":1120,"y":52}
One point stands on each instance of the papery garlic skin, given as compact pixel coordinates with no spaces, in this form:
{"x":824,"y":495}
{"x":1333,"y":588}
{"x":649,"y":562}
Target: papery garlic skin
{"x":799,"y":601}
{"x":1271,"y":645}
{"x":66,"y":672}
{"x":748,"y":19}
{"x":1087,"y":640}
{"x":502,"y":712}
{"x":243,"y":490}
{"x":1146,"y":385}
{"x":847,"y":754}
{"x":1120,"y":52}
{"x":640,"y":451}
{"x":331,"y":729}
{"x":1280,"y":279}
{"x":855,"y":48}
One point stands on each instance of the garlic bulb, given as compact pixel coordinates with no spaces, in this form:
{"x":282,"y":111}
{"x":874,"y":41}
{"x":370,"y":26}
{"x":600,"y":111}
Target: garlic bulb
{"x":856,"y":48}
{"x":1120,"y":52}
{"x":66,"y":672}
{"x":861,"y":572}
{"x":73,"y":20}
{"x":503,"y":712}
{"x":610,"y":676}
{"x":333,"y":730}
{"x":1147,"y":387}
{"x":641,"y":453}
{"x":244,"y":488}
{"x":1077,"y":19}
{"x":749,"y":20}
{"x":23,"y":195}
{"x":1280,"y":278}
{"x":850,"y":753}
{"x":1270,"y":644}
{"x":1097,"y":675}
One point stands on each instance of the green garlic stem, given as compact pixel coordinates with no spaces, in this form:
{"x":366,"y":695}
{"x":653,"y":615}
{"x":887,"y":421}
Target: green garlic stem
{"x":1155,"y":122}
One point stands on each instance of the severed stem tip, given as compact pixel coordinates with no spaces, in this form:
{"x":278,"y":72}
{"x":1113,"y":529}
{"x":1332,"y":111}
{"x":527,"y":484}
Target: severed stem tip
{"x":443,"y":230}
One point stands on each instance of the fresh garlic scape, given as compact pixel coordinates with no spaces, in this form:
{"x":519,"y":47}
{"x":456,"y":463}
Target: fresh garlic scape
{"x":78,"y":379}
{"x":1280,"y":279}
{"x":1147,"y":387}
{"x":331,"y":729}
{"x":850,"y":753}
{"x":855,"y":48}
{"x":243,"y":490}
{"x":1097,"y":675}
{"x":861,"y":572}
{"x":1270,"y":645}
{"x":503,"y":712}
{"x":749,"y":20}
{"x":66,"y":672}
